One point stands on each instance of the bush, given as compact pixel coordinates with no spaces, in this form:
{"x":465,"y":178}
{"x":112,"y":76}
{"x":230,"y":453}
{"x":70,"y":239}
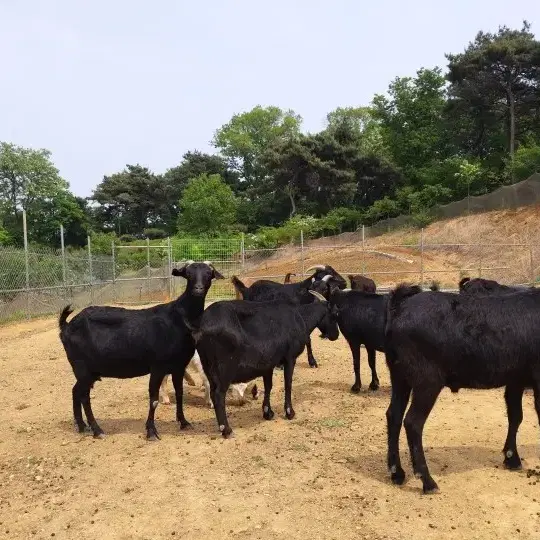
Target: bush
{"x":526,"y":162}
{"x":126,"y":238}
{"x":155,"y":234}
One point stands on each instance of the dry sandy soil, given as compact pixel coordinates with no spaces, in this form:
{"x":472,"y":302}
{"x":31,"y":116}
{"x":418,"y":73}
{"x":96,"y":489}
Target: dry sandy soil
{"x":319,"y":476}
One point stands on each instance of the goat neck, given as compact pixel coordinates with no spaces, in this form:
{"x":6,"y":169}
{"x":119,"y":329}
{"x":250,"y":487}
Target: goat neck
{"x":312,"y":314}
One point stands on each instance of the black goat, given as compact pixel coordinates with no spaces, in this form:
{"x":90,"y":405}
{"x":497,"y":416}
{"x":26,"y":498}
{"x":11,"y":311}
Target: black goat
{"x":122,"y":344}
{"x":362,"y":283}
{"x":239,"y":341}
{"x":265,"y":291}
{"x":361,"y":317}
{"x":486,"y":286}
{"x":436,"y":339}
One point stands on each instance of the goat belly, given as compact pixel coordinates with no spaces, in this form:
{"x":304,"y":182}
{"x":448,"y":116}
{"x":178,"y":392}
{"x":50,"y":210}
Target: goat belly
{"x":245,"y":373}
{"x":124,"y":371}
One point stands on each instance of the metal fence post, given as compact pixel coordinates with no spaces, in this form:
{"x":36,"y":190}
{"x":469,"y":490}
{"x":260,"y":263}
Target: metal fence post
{"x":148,"y":272}
{"x":363,"y":250}
{"x":26,"y":265}
{"x":62,"y":247}
{"x":169,"y":261}
{"x":302,"y":249}
{"x":243,"y":251}
{"x":113,"y":271}
{"x":90,"y":269}
{"x":531,"y":263}
{"x":422,"y":258}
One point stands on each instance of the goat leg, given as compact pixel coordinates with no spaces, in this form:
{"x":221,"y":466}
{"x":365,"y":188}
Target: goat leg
{"x":85,"y":398}
{"x":156,"y":378}
{"x":288,"y":376}
{"x":513,"y":396}
{"x":311,"y":359}
{"x":177,"y":378}
{"x":268,"y":413}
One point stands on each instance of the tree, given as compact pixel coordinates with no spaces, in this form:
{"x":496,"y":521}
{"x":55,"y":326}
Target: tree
{"x":30,"y":181}
{"x":412,"y":123}
{"x":497,"y":76}
{"x":193,"y":165}
{"x":27,"y":175}
{"x":526,"y":162}
{"x":364,"y":126}
{"x":246,"y":136}
{"x":131,"y":200}
{"x":208,"y":206}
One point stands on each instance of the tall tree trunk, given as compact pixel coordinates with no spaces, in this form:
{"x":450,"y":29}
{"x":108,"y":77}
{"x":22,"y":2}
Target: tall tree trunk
{"x":289,"y":191}
{"x":512,"y":120}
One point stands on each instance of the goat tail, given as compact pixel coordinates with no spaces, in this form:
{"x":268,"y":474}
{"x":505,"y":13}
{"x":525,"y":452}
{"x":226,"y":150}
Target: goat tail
{"x":239,"y":286}
{"x":62,"y":320}
{"x":463,"y":281}
{"x":434,"y":286}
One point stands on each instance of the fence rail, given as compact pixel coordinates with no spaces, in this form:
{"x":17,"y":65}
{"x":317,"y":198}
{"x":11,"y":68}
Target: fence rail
{"x":41,"y":282}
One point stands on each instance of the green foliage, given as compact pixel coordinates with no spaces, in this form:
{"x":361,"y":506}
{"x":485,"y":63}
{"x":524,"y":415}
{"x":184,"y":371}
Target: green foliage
{"x":526,"y":162}
{"x":154,"y":234}
{"x":131,"y":200}
{"x":382,"y":209}
{"x":208,"y":206}
{"x":5,"y":237}
{"x":411,"y":119}
{"x":341,"y":218}
{"x":247,"y":135}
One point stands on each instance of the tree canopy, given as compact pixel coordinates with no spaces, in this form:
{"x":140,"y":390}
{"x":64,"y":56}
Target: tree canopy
{"x":435,"y":136}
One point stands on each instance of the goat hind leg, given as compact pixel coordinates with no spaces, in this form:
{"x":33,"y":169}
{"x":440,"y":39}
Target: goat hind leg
{"x":163,"y":394}
{"x":77,"y":408}
{"x":372,"y":361}
{"x":401,"y":393}
{"x":268,"y":413}
{"x":422,"y":403}
{"x":513,"y":395}
{"x":85,"y":398}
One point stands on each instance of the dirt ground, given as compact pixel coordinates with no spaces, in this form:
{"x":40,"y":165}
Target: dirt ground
{"x":320,"y":476}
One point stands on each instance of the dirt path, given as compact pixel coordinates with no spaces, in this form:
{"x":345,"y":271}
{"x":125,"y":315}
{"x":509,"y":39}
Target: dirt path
{"x":321,"y":476}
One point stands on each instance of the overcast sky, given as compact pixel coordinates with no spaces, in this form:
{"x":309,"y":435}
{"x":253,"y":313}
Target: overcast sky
{"x":102,"y":84}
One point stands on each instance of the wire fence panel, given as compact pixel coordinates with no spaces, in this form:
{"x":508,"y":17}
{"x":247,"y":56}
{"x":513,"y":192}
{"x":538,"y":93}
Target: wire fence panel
{"x":40,"y":282}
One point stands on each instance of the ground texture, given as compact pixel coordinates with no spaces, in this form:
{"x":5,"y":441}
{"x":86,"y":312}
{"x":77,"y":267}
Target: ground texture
{"x":320,"y":476}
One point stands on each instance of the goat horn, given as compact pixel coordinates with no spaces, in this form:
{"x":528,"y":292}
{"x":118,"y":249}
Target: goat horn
{"x":316,"y":267}
{"x":326,"y":278}
{"x":318,"y":295}
{"x":189,"y":262}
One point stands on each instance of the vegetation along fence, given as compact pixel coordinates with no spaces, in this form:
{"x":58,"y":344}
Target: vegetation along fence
{"x":36,"y":282}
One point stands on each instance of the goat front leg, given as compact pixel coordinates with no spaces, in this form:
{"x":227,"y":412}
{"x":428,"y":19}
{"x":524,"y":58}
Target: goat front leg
{"x":177,"y":379}
{"x":372,"y":361}
{"x":156,"y":378}
{"x":311,"y":359}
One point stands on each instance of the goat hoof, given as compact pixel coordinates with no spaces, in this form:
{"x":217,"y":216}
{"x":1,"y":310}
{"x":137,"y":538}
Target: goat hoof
{"x":268,"y":415}
{"x":398,"y":477}
{"x":185,"y":425}
{"x":255,"y":392}
{"x":290,"y":414}
{"x":374,"y":385}
{"x":99,"y":435}
{"x":313,"y":364}
{"x":152,"y":434}
{"x":83,"y":428}
{"x":431,"y":488}
{"x":227,"y":433}
{"x":355,"y":389}
{"x":513,"y":464}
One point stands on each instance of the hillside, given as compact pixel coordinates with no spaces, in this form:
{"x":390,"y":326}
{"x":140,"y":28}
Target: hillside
{"x":493,"y":244}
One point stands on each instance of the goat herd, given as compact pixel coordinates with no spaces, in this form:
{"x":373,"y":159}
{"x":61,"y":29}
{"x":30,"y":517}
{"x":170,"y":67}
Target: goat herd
{"x":486,"y":336}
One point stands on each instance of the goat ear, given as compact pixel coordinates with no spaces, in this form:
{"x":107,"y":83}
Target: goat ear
{"x":179,"y":272}
{"x":216,"y":274}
